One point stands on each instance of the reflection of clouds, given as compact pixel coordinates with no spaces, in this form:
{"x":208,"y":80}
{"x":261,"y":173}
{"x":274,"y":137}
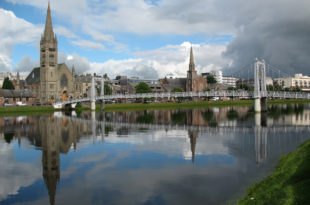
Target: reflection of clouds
{"x":91,"y":158}
{"x":13,"y":174}
{"x":174,"y":142}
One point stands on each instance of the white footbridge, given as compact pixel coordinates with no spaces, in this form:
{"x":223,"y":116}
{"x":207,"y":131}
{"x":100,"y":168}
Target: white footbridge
{"x":260,"y":93}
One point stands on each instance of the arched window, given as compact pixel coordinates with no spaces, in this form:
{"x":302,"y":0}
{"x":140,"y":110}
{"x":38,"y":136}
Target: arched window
{"x":64,"y":81}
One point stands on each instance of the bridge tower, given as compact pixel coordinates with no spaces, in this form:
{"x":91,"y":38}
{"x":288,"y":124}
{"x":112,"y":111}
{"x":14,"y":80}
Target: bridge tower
{"x":260,"y":91}
{"x":92,"y":94}
{"x":102,"y":93}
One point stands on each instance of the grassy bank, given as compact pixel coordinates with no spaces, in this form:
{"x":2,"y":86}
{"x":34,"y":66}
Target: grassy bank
{"x":288,"y":184}
{"x":4,"y":111}
{"x":141,"y":106}
{"x":200,"y":104}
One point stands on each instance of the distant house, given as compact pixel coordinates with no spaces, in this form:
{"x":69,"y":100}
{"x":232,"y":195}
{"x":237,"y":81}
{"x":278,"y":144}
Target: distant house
{"x":169,"y":83}
{"x":13,"y":96}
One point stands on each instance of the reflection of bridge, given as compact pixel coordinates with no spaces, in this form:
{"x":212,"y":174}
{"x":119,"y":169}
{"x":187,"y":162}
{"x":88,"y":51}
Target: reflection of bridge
{"x":271,"y":129}
{"x":260,"y":93}
{"x":261,"y":133}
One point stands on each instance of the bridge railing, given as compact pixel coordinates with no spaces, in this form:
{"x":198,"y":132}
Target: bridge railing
{"x":219,"y":93}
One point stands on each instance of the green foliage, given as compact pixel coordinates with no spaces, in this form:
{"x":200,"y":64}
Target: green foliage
{"x":211,"y":79}
{"x":107,"y":89}
{"x":143,"y":88}
{"x":146,"y":118}
{"x":7,"y":84}
{"x":288,"y":184}
{"x":244,"y":87}
{"x":231,"y":88}
{"x":208,"y":115}
{"x":232,"y":114}
{"x":8,"y":137}
{"x":297,"y":89}
{"x":206,"y":89}
{"x":175,"y":90}
{"x":178,"y":117}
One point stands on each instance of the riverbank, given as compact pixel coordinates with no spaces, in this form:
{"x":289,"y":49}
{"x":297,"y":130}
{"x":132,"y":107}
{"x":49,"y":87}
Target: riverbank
{"x":141,"y":106}
{"x":26,"y":110}
{"x":288,"y":184}
{"x":174,"y":105}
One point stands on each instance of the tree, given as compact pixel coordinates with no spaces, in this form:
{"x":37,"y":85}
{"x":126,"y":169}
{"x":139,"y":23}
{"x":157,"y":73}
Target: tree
{"x":244,"y":86}
{"x":175,"y":90}
{"x":211,"y":79}
{"x":143,"y":88}
{"x":178,"y":90}
{"x":231,"y":88}
{"x":7,"y":84}
{"x":107,"y":89}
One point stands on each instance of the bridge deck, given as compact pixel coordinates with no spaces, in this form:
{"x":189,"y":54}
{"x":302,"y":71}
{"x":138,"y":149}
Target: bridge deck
{"x":240,"y":94}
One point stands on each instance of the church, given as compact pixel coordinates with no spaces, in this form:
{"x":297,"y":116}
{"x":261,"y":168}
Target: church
{"x":51,"y":81}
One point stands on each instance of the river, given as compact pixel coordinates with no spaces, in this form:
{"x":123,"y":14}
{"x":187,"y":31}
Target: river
{"x":183,"y":156}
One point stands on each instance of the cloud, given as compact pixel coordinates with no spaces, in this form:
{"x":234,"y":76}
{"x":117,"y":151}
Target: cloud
{"x":14,"y":174}
{"x":88,"y":44}
{"x":171,"y":60}
{"x":63,"y":31}
{"x":26,"y":65}
{"x":14,"y":31}
{"x":277,"y":31}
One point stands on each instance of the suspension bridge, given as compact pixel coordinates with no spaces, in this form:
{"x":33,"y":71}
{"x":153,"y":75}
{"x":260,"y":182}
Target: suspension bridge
{"x":260,"y":93}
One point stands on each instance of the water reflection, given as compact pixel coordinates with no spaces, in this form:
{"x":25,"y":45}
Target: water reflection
{"x":142,"y":157}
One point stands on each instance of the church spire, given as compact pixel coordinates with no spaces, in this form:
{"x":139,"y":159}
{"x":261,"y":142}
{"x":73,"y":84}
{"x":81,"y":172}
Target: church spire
{"x":48,"y":31}
{"x":191,"y":60}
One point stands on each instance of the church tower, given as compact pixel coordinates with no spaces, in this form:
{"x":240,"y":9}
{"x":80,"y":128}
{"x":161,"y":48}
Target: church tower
{"x":191,"y":73}
{"x":48,"y":61}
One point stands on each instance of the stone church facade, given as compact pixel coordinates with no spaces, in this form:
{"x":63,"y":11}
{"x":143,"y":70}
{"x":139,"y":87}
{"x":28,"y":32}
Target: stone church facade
{"x":52,"y":81}
{"x":194,"y":82}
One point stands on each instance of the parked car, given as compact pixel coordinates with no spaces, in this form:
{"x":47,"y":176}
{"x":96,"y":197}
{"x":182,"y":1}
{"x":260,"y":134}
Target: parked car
{"x":7,"y":105}
{"x":20,"y":104}
{"x":36,"y":104}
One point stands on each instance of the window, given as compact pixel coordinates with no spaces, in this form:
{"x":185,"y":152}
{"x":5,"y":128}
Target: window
{"x":64,"y":81}
{"x":52,"y":86}
{"x":51,"y":49}
{"x":51,"y":74}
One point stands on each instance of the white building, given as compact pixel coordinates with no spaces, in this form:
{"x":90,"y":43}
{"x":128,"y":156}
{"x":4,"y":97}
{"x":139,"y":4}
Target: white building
{"x":229,"y":81}
{"x":298,"y":80}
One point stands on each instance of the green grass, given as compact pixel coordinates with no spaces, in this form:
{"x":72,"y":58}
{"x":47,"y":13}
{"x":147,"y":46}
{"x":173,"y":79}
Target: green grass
{"x":288,"y":184}
{"x":141,"y":106}
{"x":199,"y":104}
{"x":4,"y":111}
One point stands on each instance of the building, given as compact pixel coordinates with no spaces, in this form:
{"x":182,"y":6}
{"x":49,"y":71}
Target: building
{"x":52,"y":81}
{"x":229,"y":81}
{"x":194,"y":82}
{"x":298,"y":80}
{"x":13,"y":96}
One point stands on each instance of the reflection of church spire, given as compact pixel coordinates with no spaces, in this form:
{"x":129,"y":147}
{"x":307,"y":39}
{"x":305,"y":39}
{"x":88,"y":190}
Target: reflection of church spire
{"x":193,"y":136}
{"x":50,"y":158}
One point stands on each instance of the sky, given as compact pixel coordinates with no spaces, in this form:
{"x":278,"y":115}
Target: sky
{"x":151,"y":39}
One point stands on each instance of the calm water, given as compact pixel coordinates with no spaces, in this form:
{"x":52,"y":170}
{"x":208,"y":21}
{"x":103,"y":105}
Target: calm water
{"x":193,"y":156}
